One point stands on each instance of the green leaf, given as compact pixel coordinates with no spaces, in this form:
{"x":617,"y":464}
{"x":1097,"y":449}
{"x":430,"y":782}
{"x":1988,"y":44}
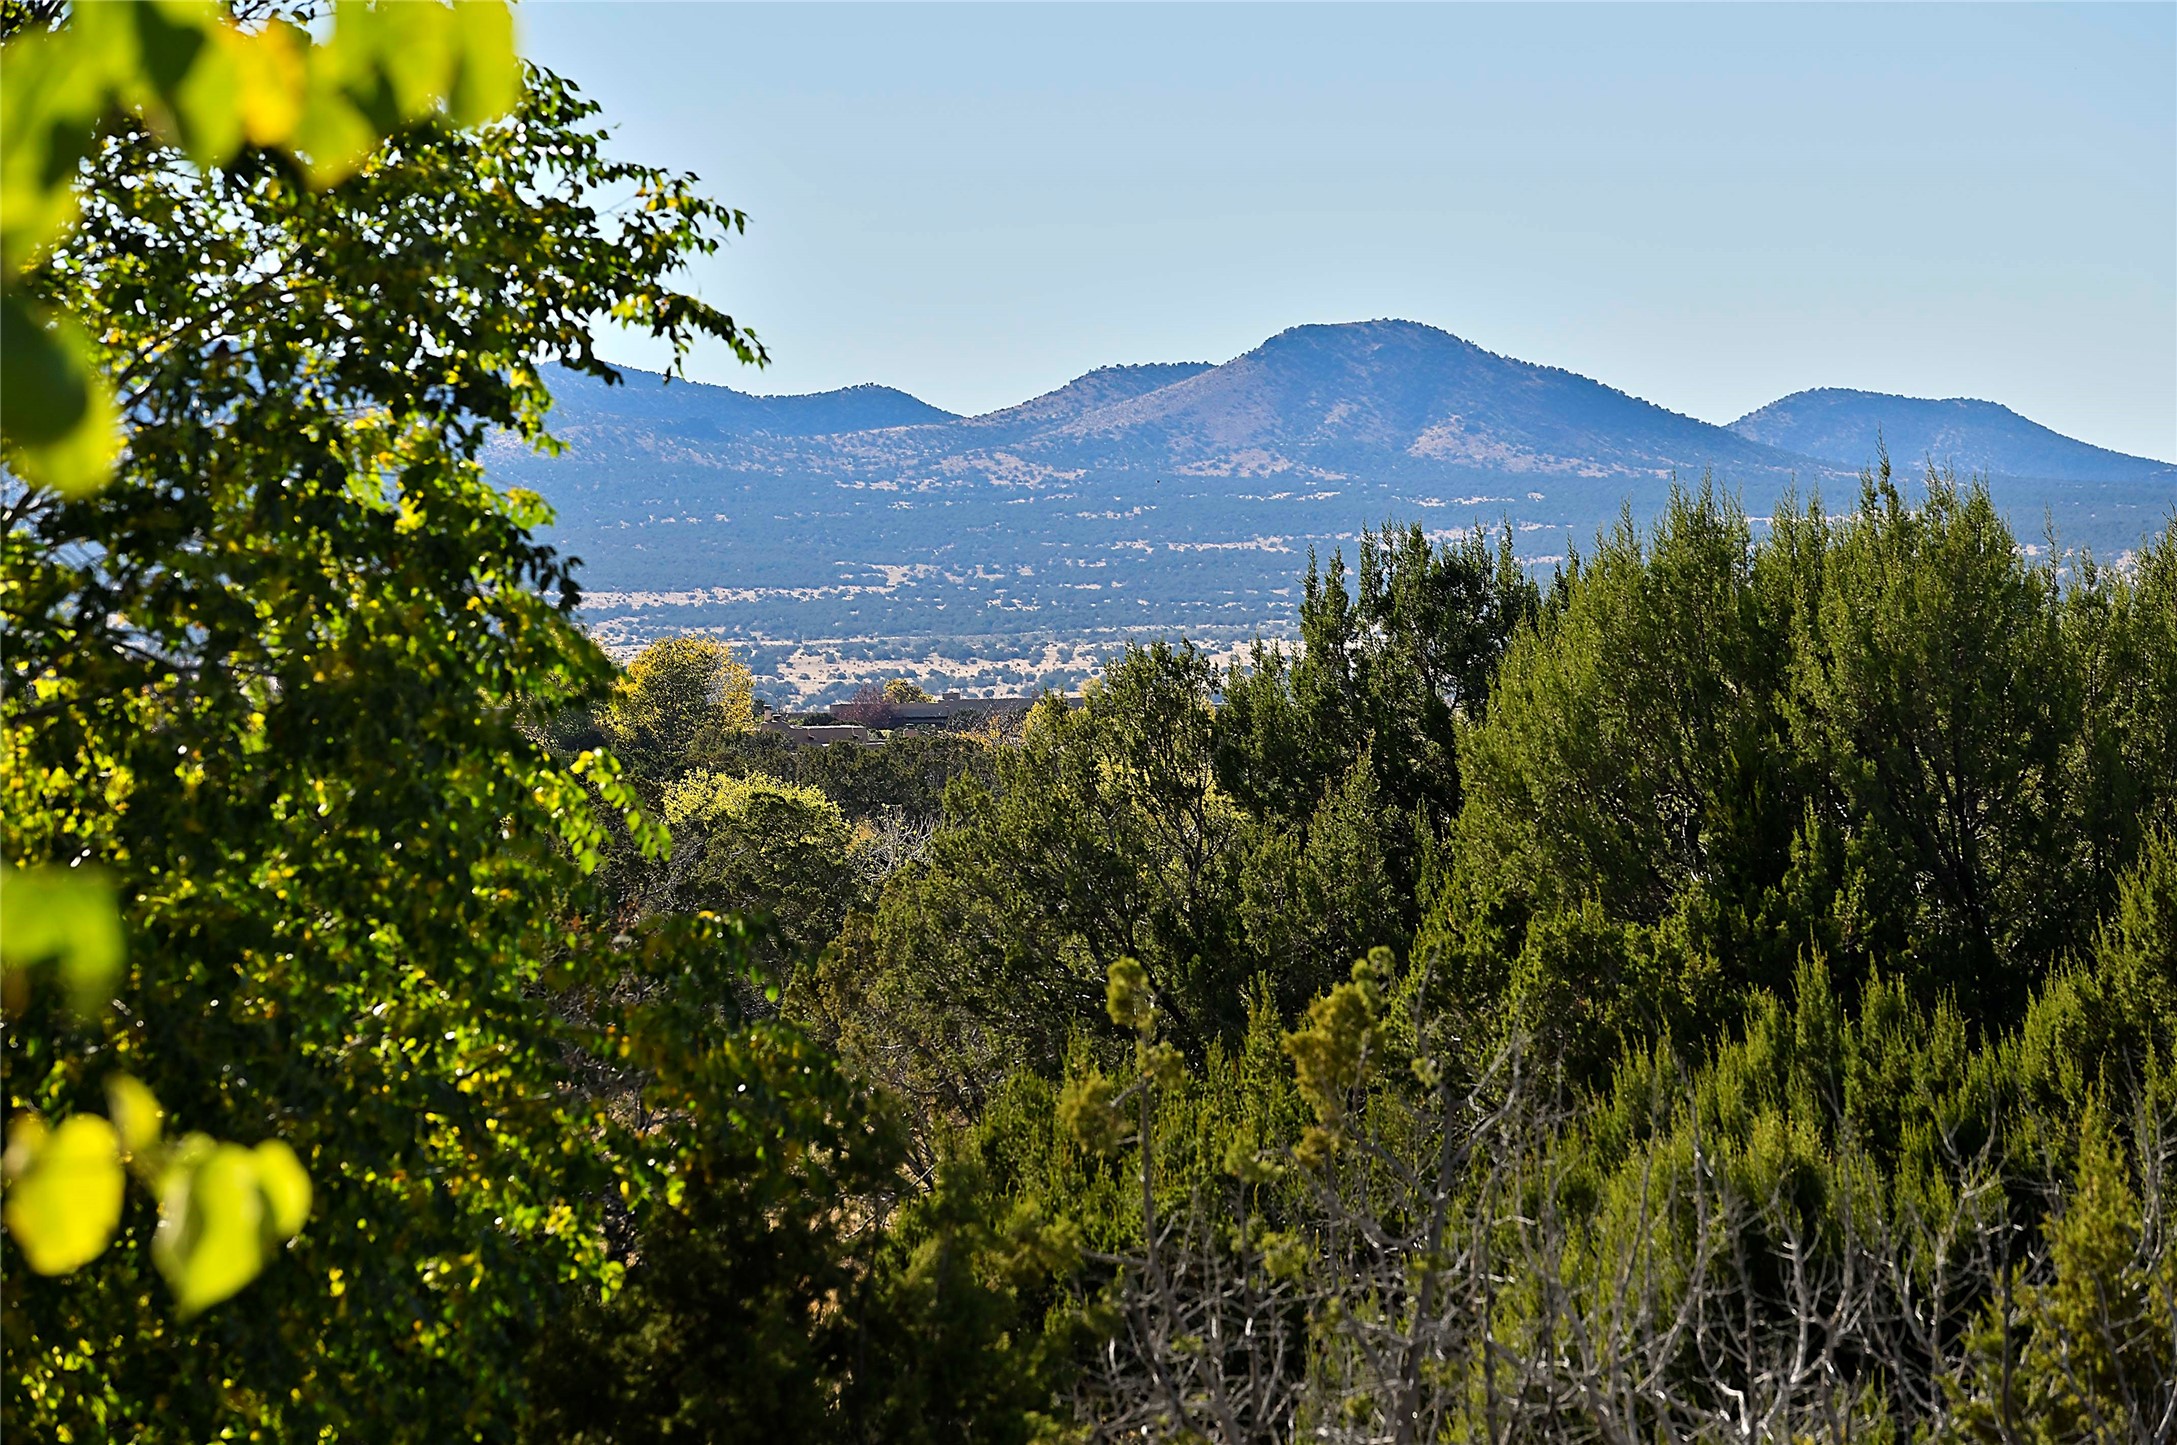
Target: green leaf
{"x":64,"y":1190}
{"x":44,"y":391}
{"x":410,"y":46}
{"x":332,"y":136}
{"x":67,"y":915}
{"x":211,"y":103}
{"x":191,"y":77}
{"x":56,"y":411}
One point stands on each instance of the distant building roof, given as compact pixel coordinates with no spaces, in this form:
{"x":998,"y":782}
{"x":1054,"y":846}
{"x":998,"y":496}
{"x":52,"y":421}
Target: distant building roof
{"x":946,"y":709}
{"x":819,"y":734}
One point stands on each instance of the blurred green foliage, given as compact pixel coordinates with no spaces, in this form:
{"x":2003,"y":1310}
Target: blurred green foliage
{"x":211,"y":88}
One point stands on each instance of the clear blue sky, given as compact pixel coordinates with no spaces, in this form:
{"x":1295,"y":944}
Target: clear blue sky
{"x":1708,"y":206}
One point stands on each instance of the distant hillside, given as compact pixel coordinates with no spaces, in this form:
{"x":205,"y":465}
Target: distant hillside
{"x":1848,"y":427}
{"x":690,"y":408}
{"x":863,"y":532}
{"x":1103,"y":387}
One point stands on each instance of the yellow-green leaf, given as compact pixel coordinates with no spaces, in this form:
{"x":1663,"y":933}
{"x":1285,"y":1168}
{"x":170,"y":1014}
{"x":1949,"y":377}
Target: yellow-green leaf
{"x":211,"y":1219}
{"x":64,"y":1190}
{"x":208,"y":85}
{"x":63,"y":914}
{"x":271,"y":80}
{"x":331,"y":137}
{"x":184,"y":79}
{"x":286,"y":1188}
{"x":489,"y":78}
{"x":135,"y":1112}
{"x":206,"y":101}
{"x":409,"y":46}
{"x":52,"y":89}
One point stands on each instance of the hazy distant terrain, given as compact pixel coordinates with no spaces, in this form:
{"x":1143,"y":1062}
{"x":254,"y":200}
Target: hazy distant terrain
{"x":864,"y":533}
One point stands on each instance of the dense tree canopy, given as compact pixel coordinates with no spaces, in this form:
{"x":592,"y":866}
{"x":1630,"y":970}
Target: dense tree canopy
{"x":1706,"y":1104}
{"x":1885,"y":737}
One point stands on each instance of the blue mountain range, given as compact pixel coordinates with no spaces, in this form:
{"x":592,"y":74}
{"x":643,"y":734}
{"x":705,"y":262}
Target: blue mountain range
{"x":1185,"y":497}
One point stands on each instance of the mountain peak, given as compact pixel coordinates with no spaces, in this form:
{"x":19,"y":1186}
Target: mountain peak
{"x":1382,"y":332}
{"x":1839,"y":395}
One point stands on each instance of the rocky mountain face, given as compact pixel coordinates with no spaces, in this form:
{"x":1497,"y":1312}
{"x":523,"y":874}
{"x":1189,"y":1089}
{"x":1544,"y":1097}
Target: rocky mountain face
{"x":863,"y":533}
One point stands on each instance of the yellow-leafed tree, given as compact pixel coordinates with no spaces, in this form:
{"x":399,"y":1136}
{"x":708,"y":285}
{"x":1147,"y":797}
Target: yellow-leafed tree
{"x":677,"y":691}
